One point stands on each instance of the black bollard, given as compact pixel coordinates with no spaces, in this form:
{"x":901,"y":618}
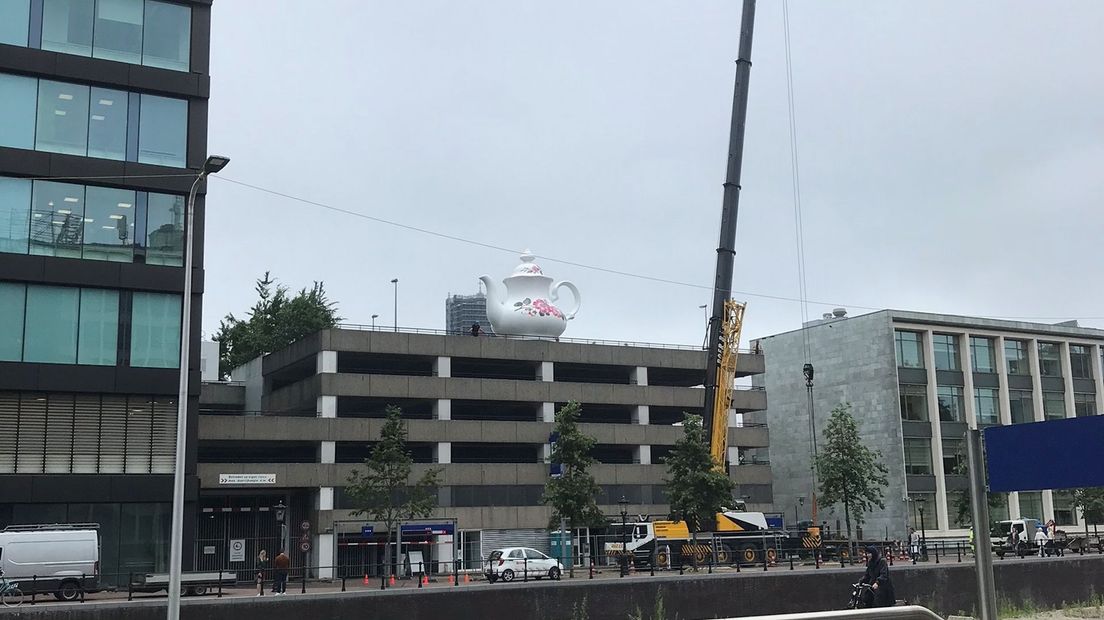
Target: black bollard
{"x":710,"y":561}
{"x":130,"y":590}
{"x":791,"y":562}
{"x":651,"y":562}
{"x":680,"y":561}
{"x":937,"y":554}
{"x":958,"y":550}
{"x":304,"y":588}
{"x":591,"y":569}
{"x":82,"y":587}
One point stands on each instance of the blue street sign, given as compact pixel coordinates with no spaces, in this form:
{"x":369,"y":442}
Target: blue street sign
{"x":366,"y":531}
{"x":1059,"y":454}
{"x":436,"y":529}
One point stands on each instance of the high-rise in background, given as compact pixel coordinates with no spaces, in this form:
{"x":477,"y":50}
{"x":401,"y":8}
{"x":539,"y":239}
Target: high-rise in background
{"x":462,"y":311}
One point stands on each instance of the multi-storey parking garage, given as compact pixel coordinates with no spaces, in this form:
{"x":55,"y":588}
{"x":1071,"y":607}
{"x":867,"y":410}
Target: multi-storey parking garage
{"x":295,"y":423}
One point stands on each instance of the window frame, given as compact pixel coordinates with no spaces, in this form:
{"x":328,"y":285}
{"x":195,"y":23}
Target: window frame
{"x":913,"y":468}
{"x":1021,"y":361}
{"x":990,"y":347}
{"x":907,"y":393}
{"x":958,"y":397}
{"x":900,"y":342}
{"x":1050,"y":365}
{"x":945,"y":348}
{"x":1081,"y":361}
{"x":995,"y":399}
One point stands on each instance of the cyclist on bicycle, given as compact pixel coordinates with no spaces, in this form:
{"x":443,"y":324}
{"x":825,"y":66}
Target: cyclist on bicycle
{"x":877,"y":575}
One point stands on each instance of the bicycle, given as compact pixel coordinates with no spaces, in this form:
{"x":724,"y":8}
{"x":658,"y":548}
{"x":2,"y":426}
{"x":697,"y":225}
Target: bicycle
{"x":10,"y":594}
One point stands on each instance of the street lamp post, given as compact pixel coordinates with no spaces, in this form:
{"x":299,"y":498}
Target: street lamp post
{"x":395,"y":281}
{"x":624,"y":538}
{"x":281,"y":520}
{"x":374,"y":317}
{"x":213,"y":164}
{"x":705,"y":313}
{"x":923,"y":531}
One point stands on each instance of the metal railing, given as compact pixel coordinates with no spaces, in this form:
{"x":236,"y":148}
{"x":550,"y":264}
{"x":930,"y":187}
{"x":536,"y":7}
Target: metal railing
{"x":596,"y":341}
{"x":907,"y":612}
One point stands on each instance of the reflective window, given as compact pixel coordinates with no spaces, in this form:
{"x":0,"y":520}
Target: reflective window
{"x":1050,"y":359}
{"x":914,"y":403}
{"x":15,"y":214}
{"x":1064,"y":512}
{"x":108,"y":222}
{"x":62,"y":118}
{"x":48,"y":218}
{"x":1084,"y":404}
{"x":165,"y":230}
{"x":987,"y":405}
{"x":954,"y":456}
{"x":922,"y":511}
{"x":168,"y":35}
{"x":50,"y":327}
{"x":163,"y":131}
{"x":918,"y":460}
{"x":107,"y":124}
{"x":67,"y":26}
{"x":952,"y":404}
{"x":118,"y":30}
{"x":1054,"y":405}
{"x":1031,"y":507}
{"x":945,"y":348}
{"x":982,"y":354}
{"x":99,"y":327}
{"x":1021,"y":406}
{"x":59,"y":117}
{"x":12,"y":302}
{"x":155,"y":330}
{"x":18,"y":96}
{"x":998,"y":507}
{"x":57,"y":219}
{"x":15,"y":19}
{"x":1081,"y":361}
{"x":910,"y":350}
{"x":1015,"y":356}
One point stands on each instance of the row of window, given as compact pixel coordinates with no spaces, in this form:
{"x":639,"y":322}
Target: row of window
{"x":46,"y":218}
{"x":467,"y":496}
{"x":139,"y":32}
{"x":910,"y":354}
{"x":86,"y":434}
{"x":1031,"y":506}
{"x":102,"y":327}
{"x":60,"y":117}
{"x":952,"y":404}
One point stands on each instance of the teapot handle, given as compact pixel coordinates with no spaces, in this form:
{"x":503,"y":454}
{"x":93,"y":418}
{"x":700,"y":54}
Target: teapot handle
{"x":574,"y":291}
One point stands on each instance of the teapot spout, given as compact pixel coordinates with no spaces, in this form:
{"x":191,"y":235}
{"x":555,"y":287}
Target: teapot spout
{"x":495,"y":299}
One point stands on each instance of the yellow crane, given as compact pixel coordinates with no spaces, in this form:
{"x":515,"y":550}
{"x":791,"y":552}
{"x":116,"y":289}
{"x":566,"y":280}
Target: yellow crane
{"x":732,"y":322}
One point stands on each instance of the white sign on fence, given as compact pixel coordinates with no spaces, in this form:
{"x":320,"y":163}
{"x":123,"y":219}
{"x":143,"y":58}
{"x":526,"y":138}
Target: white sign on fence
{"x":237,"y":550}
{"x":247,"y":479}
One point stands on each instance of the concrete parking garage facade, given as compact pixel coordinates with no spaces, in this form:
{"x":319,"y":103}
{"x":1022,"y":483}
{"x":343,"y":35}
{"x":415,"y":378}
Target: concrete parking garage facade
{"x":481,"y":408}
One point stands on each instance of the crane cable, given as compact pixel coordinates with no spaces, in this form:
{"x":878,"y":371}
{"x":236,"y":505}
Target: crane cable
{"x":799,"y":240}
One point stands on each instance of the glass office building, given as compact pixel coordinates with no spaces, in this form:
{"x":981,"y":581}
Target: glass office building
{"x":103,"y":123}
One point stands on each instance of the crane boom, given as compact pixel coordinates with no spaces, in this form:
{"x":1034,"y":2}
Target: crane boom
{"x":731,"y":327}
{"x":730,"y":206}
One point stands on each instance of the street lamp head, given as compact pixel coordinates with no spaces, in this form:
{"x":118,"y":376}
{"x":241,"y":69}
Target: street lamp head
{"x":703,"y":306}
{"x":215,"y":163}
{"x":375,"y":316}
{"x":394,"y":281}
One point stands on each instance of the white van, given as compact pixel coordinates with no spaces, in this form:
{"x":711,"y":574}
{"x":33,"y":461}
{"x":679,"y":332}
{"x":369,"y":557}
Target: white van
{"x":58,"y":558}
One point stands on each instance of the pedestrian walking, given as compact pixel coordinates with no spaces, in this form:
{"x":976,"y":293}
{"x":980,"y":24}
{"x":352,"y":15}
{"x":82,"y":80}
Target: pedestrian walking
{"x":281,"y":563}
{"x":914,"y":544}
{"x":262,"y":560}
{"x":1041,"y":540}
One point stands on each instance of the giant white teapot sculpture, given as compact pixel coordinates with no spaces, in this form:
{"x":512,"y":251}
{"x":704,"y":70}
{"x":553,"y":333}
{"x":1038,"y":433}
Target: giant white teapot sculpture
{"x":524,"y":307}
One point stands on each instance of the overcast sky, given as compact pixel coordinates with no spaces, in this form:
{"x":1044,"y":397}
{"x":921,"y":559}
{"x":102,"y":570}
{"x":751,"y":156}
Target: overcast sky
{"x":951,"y":155}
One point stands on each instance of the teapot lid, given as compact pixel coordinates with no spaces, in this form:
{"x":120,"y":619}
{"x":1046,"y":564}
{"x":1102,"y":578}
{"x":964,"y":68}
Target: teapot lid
{"x":527,"y":266}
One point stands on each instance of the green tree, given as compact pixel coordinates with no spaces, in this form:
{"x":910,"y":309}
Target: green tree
{"x":964,"y":507}
{"x":573,"y":494}
{"x":1091,"y":501}
{"x":696,"y":490}
{"x":851,"y":474}
{"x":385,"y":491}
{"x":274,"y":322}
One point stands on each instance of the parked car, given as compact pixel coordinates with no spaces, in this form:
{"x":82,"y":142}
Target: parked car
{"x":513,"y":563}
{"x":59,"y":558}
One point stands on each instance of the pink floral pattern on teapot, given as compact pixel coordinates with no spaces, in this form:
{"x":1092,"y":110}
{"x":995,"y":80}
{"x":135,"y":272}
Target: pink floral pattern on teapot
{"x":524,"y":304}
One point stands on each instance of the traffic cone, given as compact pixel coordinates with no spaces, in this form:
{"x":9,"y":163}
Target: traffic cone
{"x":365,"y":578}
{"x":392,"y":580}
{"x":450,"y":579}
{"x":425,"y":579}
{"x":467,"y":579}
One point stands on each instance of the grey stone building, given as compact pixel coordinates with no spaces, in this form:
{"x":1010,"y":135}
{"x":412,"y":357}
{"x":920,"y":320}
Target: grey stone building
{"x":299,"y":420}
{"x":916,"y":381}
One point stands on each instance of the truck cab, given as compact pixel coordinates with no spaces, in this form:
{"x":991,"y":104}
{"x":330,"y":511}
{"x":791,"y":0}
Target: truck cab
{"x":1013,"y":536}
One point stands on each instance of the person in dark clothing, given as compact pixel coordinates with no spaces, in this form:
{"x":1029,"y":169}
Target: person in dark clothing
{"x":877,"y":575}
{"x":476,"y":330}
{"x":282,"y":563}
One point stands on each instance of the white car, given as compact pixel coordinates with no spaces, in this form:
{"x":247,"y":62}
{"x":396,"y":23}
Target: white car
{"x":512,"y":563}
